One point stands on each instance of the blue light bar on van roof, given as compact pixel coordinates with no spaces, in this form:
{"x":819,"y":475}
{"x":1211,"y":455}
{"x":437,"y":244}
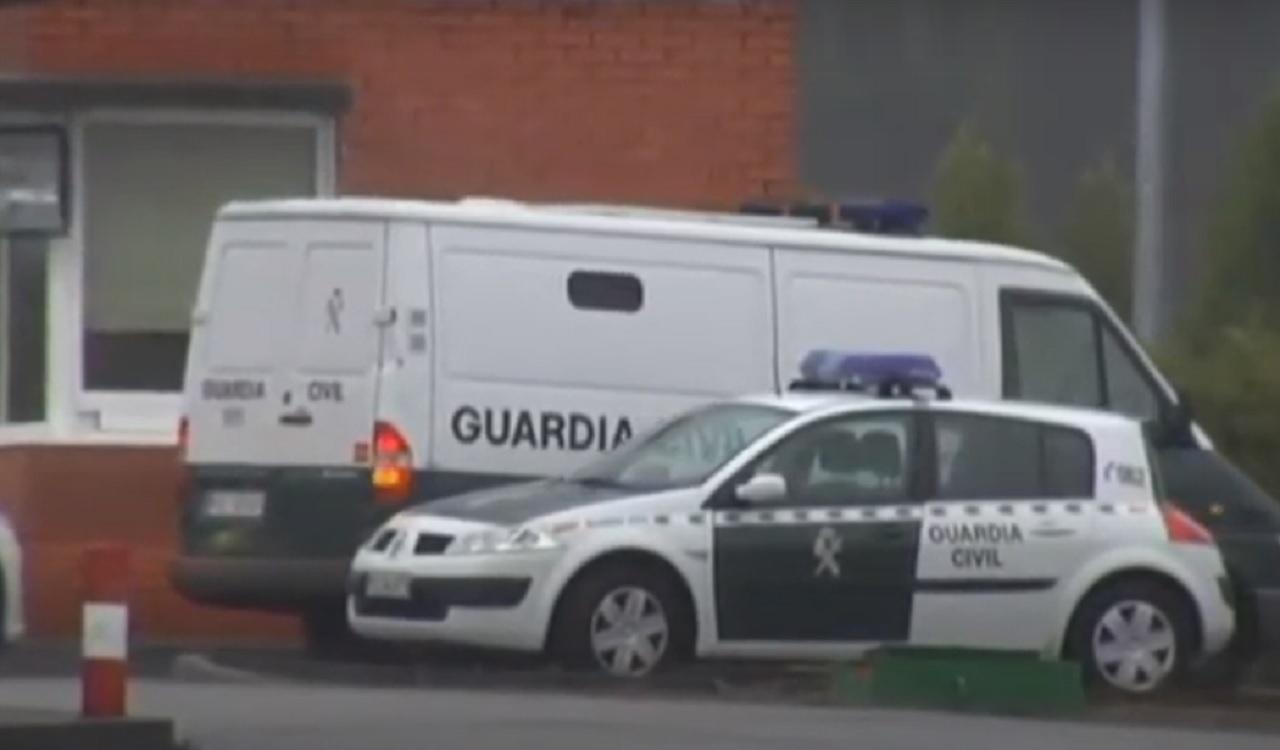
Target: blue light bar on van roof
{"x":866,"y":369}
{"x":882,"y":217}
{"x":886,"y":217}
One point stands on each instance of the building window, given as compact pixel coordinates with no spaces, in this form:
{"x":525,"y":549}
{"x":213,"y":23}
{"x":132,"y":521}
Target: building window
{"x":613,"y":292}
{"x":150,"y":192}
{"x":23,"y":292}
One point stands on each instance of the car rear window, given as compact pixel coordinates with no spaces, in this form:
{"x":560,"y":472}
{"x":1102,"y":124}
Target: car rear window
{"x":983,"y":457}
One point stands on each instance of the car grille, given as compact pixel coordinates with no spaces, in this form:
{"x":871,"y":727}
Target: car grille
{"x":431,"y":544}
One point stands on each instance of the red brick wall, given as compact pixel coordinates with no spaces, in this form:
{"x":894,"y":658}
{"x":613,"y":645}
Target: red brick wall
{"x":670,"y":101}
{"x":681,"y":102}
{"x":62,"y":498}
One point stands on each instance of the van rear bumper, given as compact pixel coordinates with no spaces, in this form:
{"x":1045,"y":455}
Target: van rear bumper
{"x":260,"y":583}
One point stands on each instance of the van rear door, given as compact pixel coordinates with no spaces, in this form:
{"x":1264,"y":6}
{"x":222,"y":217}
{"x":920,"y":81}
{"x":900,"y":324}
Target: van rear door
{"x":288,"y":344}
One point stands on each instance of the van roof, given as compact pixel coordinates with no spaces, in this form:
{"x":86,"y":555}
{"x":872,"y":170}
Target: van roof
{"x":637,"y":220}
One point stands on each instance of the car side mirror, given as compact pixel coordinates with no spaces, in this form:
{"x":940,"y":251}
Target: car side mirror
{"x":762,"y":489}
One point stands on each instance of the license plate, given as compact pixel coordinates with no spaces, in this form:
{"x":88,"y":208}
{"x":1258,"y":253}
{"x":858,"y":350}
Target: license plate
{"x":234,"y":504}
{"x":387,"y":586}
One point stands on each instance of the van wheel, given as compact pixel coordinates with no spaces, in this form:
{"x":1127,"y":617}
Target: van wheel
{"x":1133,"y":637}
{"x":328,"y":636}
{"x":623,"y":620}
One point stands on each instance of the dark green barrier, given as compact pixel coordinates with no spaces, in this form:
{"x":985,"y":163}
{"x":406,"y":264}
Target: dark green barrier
{"x":964,"y":679}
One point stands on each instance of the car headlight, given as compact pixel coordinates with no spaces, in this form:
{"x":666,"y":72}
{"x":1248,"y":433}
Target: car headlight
{"x":495,"y":541}
{"x":381,"y":538}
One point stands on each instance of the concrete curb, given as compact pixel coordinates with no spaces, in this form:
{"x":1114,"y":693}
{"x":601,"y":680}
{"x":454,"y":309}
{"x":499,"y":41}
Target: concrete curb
{"x":200,"y":668}
{"x":22,"y":729}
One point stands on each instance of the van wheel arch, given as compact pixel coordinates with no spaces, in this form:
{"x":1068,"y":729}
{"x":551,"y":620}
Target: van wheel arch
{"x":633,"y":558}
{"x":1134,"y":575}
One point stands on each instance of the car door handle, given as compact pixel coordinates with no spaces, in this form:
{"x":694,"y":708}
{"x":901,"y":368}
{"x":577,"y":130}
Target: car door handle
{"x":1051,"y":531}
{"x":296,"y":419}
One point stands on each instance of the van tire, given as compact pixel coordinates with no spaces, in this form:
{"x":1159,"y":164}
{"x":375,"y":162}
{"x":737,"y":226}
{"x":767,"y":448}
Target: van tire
{"x":327,"y":634}
{"x":1106,"y":614}
{"x":581,"y":626}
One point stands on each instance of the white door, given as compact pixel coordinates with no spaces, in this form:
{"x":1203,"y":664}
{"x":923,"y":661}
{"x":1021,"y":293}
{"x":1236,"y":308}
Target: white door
{"x":288,"y":344}
{"x":870,"y":302}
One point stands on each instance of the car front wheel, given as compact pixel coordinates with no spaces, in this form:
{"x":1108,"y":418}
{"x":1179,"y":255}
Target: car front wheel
{"x":625,"y":621}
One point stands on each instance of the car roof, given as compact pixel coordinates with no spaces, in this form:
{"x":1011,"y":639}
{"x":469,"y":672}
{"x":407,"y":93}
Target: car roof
{"x":703,"y":226}
{"x":834,"y":403}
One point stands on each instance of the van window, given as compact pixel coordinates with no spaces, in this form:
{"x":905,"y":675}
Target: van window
{"x":993,"y":458}
{"x":1061,"y":350}
{"x":614,"y":292}
{"x":1128,"y":392}
{"x":1056,"y":354}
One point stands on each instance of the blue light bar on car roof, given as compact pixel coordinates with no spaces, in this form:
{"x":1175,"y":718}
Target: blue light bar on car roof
{"x":866,"y":370}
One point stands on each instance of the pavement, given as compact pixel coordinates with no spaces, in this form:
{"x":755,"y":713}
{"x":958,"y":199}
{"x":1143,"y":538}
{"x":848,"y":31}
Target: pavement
{"x":281,"y":698}
{"x":304,"y":717}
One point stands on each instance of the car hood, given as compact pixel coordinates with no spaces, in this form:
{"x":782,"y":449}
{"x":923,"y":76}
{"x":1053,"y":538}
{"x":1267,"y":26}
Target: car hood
{"x":512,"y":504}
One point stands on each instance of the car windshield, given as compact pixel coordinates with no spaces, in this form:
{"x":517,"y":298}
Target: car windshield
{"x":684,"y":451}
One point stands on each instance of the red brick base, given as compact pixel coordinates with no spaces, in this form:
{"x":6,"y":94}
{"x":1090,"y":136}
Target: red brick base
{"x":62,"y":498}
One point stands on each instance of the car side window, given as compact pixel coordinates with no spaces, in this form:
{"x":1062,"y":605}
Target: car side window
{"x":996,"y":458}
{"x":1061,"y":350}
{"x":865,"y":459}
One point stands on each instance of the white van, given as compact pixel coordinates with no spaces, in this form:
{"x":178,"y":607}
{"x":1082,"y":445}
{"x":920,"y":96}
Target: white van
{"x":350,"y":356}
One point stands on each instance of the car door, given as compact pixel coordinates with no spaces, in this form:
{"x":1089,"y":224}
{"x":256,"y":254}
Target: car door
{"x":1008,"y":518}
{"x":834,"y":561}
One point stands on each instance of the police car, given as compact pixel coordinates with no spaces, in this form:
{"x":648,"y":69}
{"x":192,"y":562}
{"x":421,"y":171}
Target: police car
{"x":847,"y":513}
{"x":12,"y":624}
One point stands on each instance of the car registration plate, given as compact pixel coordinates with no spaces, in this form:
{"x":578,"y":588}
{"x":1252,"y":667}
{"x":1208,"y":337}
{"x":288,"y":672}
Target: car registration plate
{"x":387,"y":586}
{"x":234,"y":503}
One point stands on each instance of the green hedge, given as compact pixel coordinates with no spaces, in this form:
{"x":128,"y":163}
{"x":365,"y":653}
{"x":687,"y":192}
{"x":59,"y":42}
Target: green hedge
{"x":1233,"y":380}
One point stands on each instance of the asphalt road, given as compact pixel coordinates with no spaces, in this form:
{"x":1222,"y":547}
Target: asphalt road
{"x":285,"y":716}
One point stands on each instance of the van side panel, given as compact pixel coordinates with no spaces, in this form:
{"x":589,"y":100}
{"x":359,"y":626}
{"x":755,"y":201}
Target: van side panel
{"x":553,"y":346}
{"x":868,"y":302}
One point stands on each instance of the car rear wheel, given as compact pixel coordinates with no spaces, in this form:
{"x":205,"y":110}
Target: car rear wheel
{"x":1134,"y":637}
{"x":624,"y":621}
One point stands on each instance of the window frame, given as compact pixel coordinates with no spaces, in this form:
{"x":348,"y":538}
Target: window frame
{"x":1010,"y":297}
{"x":932,"y":478}
{"x":44,"y":431}
{"x":136,"y":414}
{"x":920,"y":458}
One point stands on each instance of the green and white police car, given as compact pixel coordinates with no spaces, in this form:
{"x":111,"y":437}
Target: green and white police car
{"x":819,"y":524}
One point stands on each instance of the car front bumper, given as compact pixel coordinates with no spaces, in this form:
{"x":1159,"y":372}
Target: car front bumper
{"x":492,"y":601}
{"x":13,"y":624}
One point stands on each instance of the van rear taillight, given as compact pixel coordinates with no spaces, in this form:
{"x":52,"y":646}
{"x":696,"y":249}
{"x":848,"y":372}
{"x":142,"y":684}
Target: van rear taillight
{"x":392,"y":464}
{"x":1182,"y":528}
